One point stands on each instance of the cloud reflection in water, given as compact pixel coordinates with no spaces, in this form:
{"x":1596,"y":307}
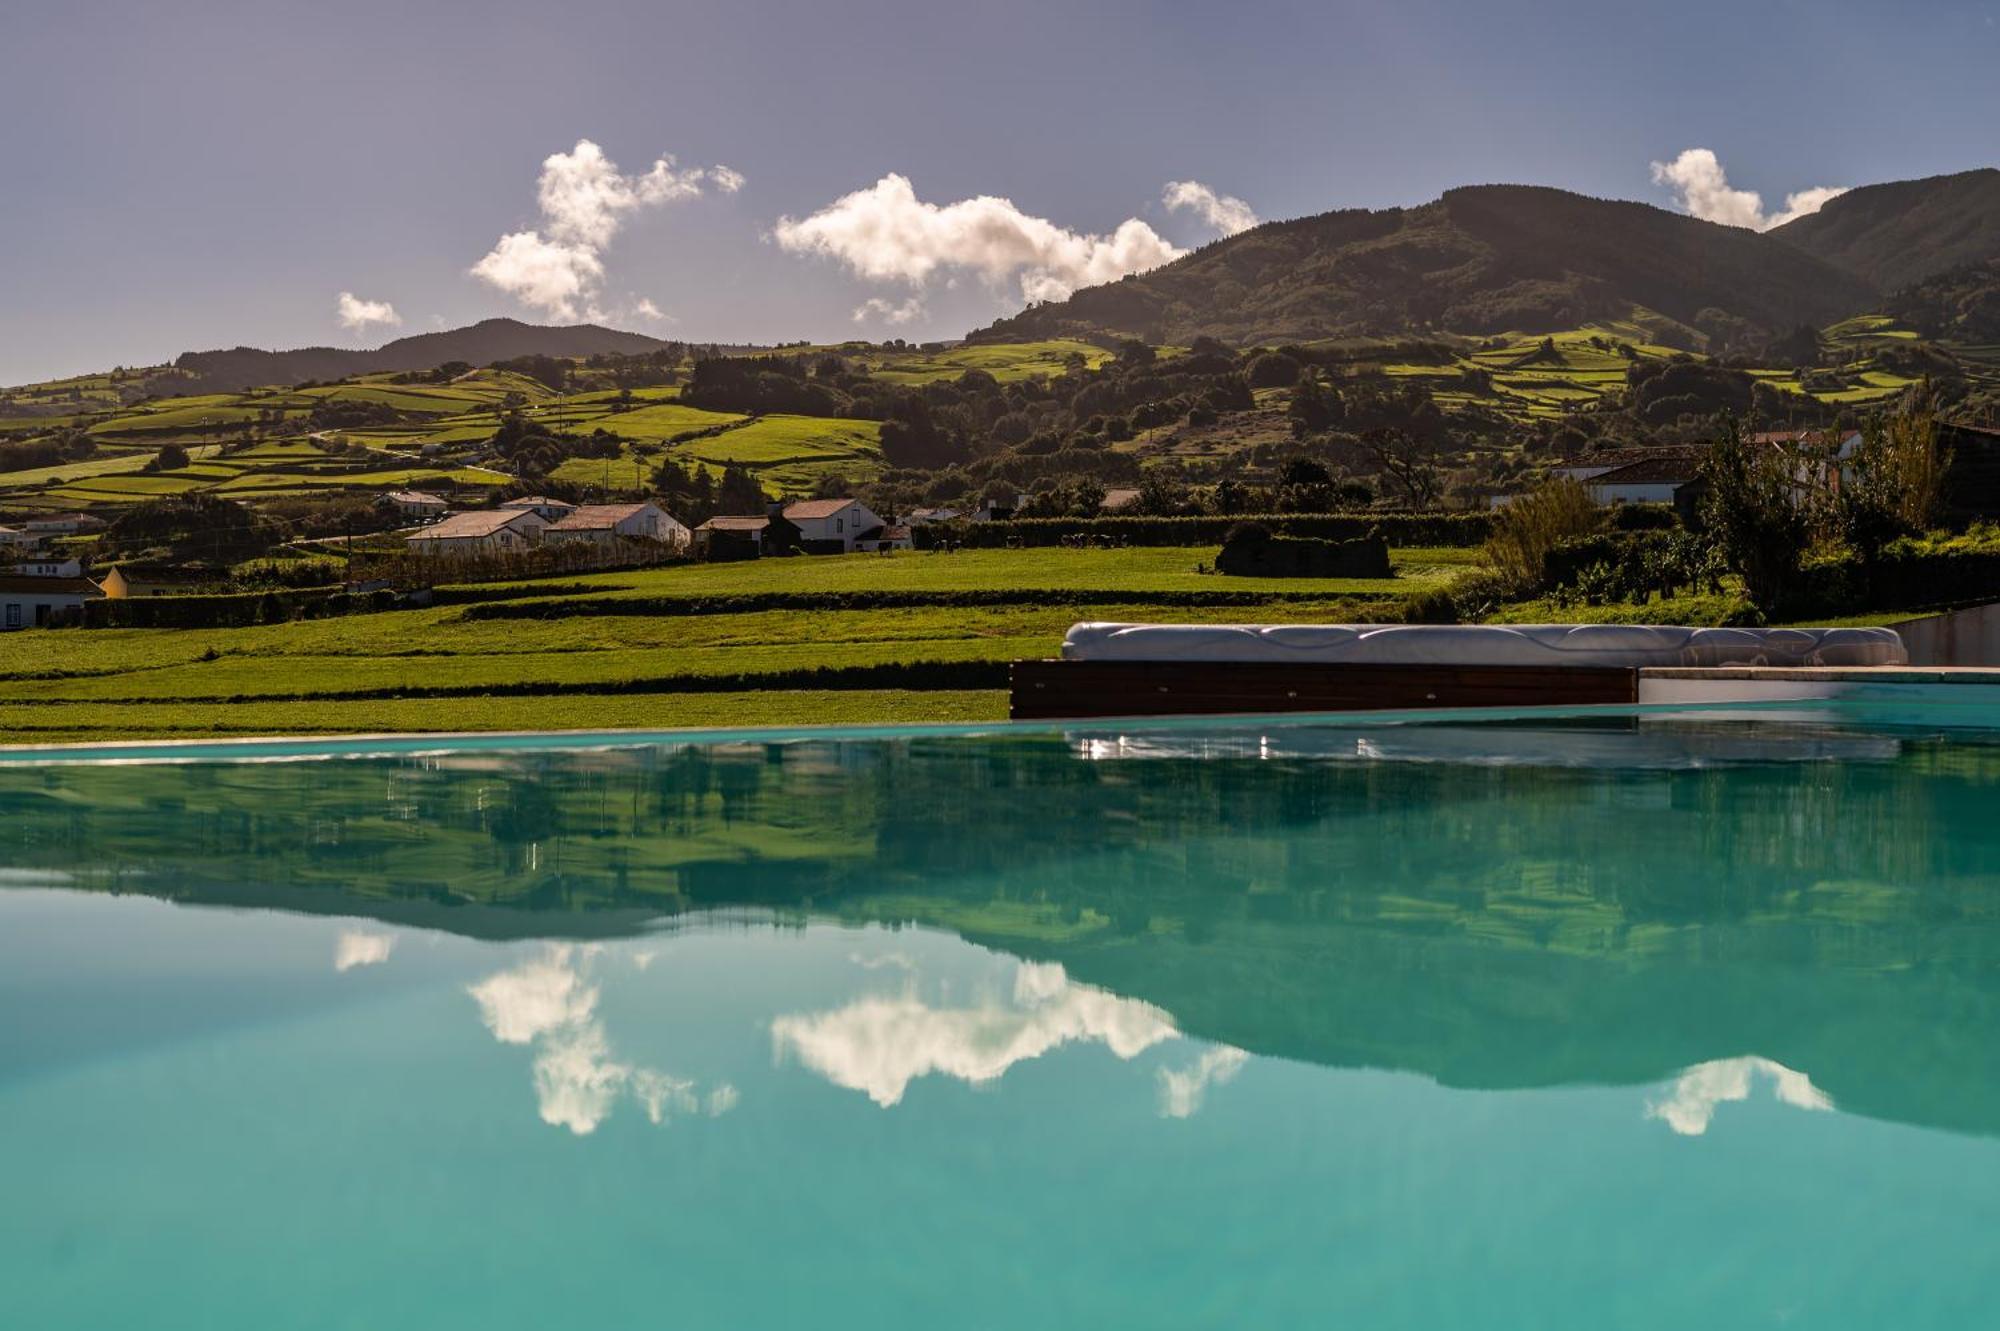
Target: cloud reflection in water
{"x":550,"y":1003}
{"x":879,"y":1044}
{"x":1690,"y":1107}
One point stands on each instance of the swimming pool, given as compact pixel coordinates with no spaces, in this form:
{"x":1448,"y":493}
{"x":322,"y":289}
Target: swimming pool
{"x":1619,"y":1019}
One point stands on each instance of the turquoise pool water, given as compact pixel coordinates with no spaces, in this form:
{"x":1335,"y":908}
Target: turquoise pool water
{"x":1662,"y":1021}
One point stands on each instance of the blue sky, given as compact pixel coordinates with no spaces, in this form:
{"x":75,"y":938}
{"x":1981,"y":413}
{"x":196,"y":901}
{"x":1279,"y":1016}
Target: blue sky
{"x":194,"y":175}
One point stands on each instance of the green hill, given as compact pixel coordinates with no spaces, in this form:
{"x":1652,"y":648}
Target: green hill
{"x":1485,"y":259}
{"x":1904,"y":232}
{"x":1513,"y":258}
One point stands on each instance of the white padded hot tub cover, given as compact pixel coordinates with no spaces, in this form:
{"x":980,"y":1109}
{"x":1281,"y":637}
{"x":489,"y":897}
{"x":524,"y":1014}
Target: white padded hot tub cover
{"x":1484,"y":644}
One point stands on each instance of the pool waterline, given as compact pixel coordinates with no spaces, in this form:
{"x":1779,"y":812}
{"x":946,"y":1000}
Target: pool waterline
{"x":1977,"y":712}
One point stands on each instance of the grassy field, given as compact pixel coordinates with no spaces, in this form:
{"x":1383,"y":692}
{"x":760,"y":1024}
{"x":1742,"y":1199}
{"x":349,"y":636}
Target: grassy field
{"x":456,"y":671}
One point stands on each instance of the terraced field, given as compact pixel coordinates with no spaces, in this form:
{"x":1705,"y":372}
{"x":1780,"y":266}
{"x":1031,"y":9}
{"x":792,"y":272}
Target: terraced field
{"x":1006,"y":361}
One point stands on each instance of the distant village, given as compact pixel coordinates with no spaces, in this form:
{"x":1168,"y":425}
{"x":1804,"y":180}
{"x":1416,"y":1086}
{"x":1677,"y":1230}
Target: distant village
{"x":45,"y":585}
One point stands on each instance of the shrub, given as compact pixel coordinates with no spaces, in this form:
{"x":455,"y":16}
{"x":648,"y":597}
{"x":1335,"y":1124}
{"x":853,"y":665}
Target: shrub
{"x":1526,"y":531}
{"x":1255,"y":553}
{"x":1432,"y":606}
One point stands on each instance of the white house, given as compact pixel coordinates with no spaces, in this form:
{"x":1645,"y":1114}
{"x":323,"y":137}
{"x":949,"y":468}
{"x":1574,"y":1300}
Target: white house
{"x":416,"y":503}
{"x":550,"y":510}
{"x":488,"y":532}
{"x":1652,"y":481}
{"x":37,"y":602}
{"x":608,"y":524}
{"x":49,"y":568}
{"x":16,"y":536}
{"x":62,"y":524}
{"x":923,"y":517}
{"x":826,"y":521}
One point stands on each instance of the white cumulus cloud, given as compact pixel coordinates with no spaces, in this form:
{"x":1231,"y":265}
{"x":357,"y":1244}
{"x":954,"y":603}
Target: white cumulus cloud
{"x":889,"y":311}
{"x":584,"y":199}
{"x":1224,"y":212}
{"x":1702,"y":189}
{"x":885,"y":233}
{"x":358,"y":316}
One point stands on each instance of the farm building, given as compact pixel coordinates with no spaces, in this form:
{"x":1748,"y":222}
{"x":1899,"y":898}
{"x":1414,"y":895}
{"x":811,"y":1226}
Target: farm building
{"x":41,"y":602}
{"x":999,"y":509}
{"x":498,"y":531}
{"x":1972,"y":478}
{"x":889,"y":537}
{"x":609,"y":524}
{"x":732,"y":538}
{"x":923,"y":517}
{"x":1117,"y":501}
{"x":415,"y":503}
{"x":129,"y":581}
{"x":549,"y":510}
{"x":830,"y":526}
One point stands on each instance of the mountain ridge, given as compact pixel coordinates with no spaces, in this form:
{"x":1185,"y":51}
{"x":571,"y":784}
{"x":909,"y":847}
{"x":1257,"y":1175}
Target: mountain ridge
{"x":1903,"y":232}
{"x":238,"y":368}
{"x":1486,"y":259}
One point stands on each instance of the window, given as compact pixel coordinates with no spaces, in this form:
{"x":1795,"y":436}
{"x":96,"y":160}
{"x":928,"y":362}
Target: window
{"x":14,"y":615}
{"x":840,"y":524}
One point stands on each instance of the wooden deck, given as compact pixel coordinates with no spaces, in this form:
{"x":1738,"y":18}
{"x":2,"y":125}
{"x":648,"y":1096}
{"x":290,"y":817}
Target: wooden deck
{"x":1062,"y":690}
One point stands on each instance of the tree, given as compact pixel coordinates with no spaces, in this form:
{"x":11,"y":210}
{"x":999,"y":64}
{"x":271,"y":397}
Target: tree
{"x":739,"y":494}
{"x":1752,"y":513}
{"x":911,"y":438}
{"x":1892,"y":485}
{"x":1305,"y":471}
{"x":1410,"y":463}
{"x":1160,"y":496}
{"x":1313,"y":408}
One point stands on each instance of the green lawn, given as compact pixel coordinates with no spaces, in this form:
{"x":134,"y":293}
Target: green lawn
{"x":1137,"y":569}
{"x":638,"y":669}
